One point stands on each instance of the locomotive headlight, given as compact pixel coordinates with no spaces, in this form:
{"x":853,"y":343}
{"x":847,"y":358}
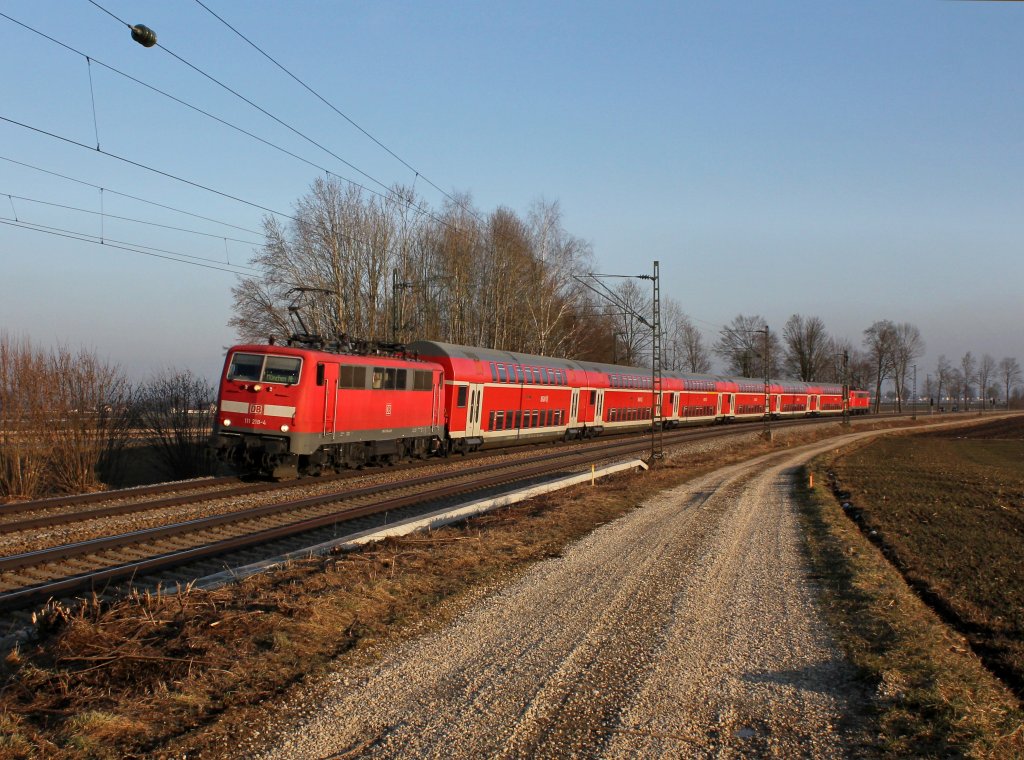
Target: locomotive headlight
{"x":284,"y":428}
{"x":226,"y":423}
{"x":257,"y":387}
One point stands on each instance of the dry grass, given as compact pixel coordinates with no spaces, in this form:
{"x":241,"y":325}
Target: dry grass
{"x":933,"y":696}
{"x":184,"y":672}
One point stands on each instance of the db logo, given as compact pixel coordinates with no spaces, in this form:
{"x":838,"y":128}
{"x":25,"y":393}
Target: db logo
{"x":387,"y":410}
{"x":255,"y":408}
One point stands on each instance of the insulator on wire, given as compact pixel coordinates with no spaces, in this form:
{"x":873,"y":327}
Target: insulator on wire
{"x":144,"y":35}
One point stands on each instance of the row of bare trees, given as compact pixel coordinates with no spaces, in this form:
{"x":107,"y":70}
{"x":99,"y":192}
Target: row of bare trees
{"x":985,"y":379}
{"x":69,"y":418}
{"x":463,"y":277}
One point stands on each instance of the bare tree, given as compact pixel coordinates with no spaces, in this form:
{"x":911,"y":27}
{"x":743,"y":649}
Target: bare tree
{"x":741,"y":344}
{"x":807,"y":347}
{"x":63,"y":420}
{"x":688,"y":351}
{"x":633,"y":337}
{"x":942,"y":372}
{"x":1009,"y":375}
{"x":553,"y":290}
{"x":879,"y":342}
{"x":907,"y":346}
{"x":957,"y":385}
{"x":986,"y":371}
{"x":969,"y":375}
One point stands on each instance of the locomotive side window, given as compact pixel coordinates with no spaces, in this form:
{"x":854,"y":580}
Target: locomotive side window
{"x":352,"y":377}
{"x":402,"y":381}
{"x":245,"y":367}
{"x":422,"y":381}
{"x":463,"y":394}
{"x":320,"y":373}
{"x":282,"y":369}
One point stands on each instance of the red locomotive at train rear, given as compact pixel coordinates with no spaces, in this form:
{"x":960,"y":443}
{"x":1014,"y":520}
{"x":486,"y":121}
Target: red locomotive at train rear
{"x":285,"y":410}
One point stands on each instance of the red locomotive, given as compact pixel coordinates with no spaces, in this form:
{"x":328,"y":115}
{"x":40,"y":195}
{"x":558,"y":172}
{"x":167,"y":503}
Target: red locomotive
{"x":285,"y":410}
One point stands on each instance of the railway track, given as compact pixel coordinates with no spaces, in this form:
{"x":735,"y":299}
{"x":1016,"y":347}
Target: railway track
{"x":183,"y":550}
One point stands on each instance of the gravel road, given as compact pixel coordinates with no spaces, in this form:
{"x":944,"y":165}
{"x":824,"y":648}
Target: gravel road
{"x":688,"y":628}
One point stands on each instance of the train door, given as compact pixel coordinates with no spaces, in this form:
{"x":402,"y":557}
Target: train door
{"x":727,"y":400}
{"x":599,"y":408}
{"x":812,"y":404}
{"x":437,"y":413}
{"x":327,"y":376}
{"x":574,"y":405}
{"x":473,"y":413}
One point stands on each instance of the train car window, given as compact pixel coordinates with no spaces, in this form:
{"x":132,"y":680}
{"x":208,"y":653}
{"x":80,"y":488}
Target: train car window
{"x":490,"y":421}
{"x":536,"y":418}
{"x":499,"y":420}
{"x":245,"y":367}
{"x":463,"y":393}
{"x":519,"y":373}
{"x":519,"y":416}
{"x":402,"y":380}
{"x":494,"y":372}
{"x":508,"y":420}
{"x":320,"y":373}
{"x":527,"y":375}
{"x":282,"y":369}
{"x":593,"y":397}
{"x":422,"y":380}
{"x":502,"y":377}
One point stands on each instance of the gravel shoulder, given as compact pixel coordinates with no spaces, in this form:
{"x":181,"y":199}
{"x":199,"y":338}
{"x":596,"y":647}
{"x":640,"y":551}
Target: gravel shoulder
{"x":688,"y":628}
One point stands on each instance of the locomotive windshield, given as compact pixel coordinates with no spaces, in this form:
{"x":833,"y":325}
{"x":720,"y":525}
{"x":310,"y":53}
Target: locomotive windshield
{"x":268,"y":369}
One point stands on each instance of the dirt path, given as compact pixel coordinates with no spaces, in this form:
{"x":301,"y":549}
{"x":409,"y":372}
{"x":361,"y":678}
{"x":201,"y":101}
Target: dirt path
{"x":686,"y":629}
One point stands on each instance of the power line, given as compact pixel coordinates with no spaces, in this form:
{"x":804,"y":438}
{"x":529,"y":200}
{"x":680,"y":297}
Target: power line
{"x":130,"y":247}
{"x":259,"y":108}
{"x":339,"y":112}
{"x":147,"y":168}
{"x":89,"y":59}
{"x":132,"y":197}
{"x":128,"y":219}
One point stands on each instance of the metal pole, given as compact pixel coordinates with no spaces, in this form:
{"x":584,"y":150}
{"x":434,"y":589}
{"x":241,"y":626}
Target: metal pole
{"x":846,"y":389}
{"x":913,"y":401}
{"x":767,"y":388}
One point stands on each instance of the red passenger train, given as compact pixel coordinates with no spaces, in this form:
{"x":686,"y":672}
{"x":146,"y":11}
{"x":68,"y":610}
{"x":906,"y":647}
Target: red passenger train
{"x":285,"y":410}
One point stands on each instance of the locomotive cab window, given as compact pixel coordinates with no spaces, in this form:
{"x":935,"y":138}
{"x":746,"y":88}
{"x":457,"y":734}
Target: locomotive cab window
{"x":282,"y":369}
{"x":245,"y":367}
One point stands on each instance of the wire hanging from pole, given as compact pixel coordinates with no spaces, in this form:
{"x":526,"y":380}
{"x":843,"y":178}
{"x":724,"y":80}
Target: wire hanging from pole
{"x":92,"y":95}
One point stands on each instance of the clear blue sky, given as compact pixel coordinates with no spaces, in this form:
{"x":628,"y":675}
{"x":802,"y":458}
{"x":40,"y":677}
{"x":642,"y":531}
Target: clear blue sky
{"x":850,"y":160}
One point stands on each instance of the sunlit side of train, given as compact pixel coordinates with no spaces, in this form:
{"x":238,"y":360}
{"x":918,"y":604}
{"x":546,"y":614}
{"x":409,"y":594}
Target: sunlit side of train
{"x":284,"y":410}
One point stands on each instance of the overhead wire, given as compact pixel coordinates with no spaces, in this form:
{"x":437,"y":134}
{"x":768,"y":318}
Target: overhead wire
{"x":147,"y":168}
{"x":418,"y":174}
{"x":264,"y":111}
{"x":130,"y":247}
{"x":390,"y":194}
{"x":129,"y":219}
{"x":132,"y":197}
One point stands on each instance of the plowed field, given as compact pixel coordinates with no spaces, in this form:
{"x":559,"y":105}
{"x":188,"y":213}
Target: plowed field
{"x":948,"y":508}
